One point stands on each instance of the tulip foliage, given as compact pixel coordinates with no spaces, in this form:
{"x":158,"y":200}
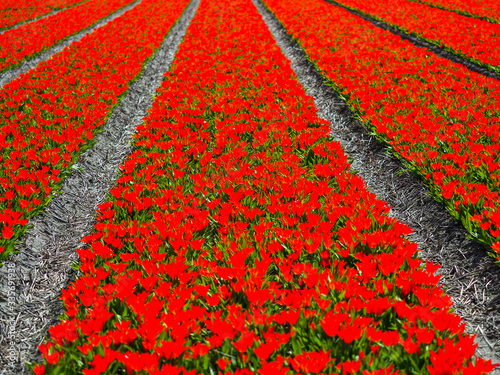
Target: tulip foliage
{"x":238,"y":241}
{"x":50,"y":115}
{"x":440,"y":119}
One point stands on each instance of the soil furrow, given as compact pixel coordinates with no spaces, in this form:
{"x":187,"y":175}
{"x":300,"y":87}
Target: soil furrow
{"x":457,"y":11}
{"x":22,"y":23}
{"x":469,"y":276}
{"x":31,"y":63}
{"x":42,"y":268}
{"x":421,"y":43}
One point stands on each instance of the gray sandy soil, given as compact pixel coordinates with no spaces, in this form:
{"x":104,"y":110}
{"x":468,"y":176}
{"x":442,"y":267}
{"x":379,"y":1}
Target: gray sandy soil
{"x":469,"y":276}
{"x":32,"y":63}
{"x":22,"y":23}
{"x":472,"y":66}
{"x":42,"y":268}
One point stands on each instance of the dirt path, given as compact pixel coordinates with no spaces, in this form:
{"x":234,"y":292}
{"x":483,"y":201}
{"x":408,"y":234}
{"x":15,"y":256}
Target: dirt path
{"x":471,"y":276}
{"x":31,"y":63}
{"x":42,"y":268}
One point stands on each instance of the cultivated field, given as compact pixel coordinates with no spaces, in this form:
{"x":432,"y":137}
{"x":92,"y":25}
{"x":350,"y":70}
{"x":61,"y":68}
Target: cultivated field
{"x":249,"y":186}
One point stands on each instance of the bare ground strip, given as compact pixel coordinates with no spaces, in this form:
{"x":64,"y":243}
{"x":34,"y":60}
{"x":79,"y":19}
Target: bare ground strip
{"x":470,"y":277}
{"x":22,"y":23}
{"x":42,"y":268}
{"x":448,"y":55}
{"x":32,"y":63}
{"x":456,"y":11}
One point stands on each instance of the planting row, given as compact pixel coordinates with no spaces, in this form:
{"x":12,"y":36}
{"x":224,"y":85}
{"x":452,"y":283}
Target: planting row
{"x":31,"y":39}
{"x":51,"y":114}
{"x":439,"y":118}
{"x":237,"y":240}
{"x":488,"y":10}
{"x":15,"y":11}
{"x":473,"y":39}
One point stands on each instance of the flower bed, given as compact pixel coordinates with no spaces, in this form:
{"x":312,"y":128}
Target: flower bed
{"x":50,"y":115}
{"x":31,"y":39}
{"x":15,"y":11}
{"x":438,"y":117}
{"x":488,"y":10}
{"x":237,"y":240}
{"x":473,"y":39}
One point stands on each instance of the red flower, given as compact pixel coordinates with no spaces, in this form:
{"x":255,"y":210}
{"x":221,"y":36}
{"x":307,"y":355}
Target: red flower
{"x":246,"y":340}
{"x":64,"y":331}
{"x":331,"y":323}
{"x":39,"y":370}
{"x":223,"y":329}
{"x":378,"y":305}
{"x":311,"y":361}
{"x":7,"y":232}
{"x":222,"y":364}
{"x":272,"y":342}
{"x":213,"y":300}
{"x":274,"y":368}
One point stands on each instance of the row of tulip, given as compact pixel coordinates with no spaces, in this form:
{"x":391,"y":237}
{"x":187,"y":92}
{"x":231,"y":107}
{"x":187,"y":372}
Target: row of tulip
{"x":50,"y":115}
{"x":488,"y":10}
{"x":26,"y":41}
{"x":473,"y":39}
{"x":15,"y":11}
{"x":237,"y":240}
{"x":441,"y":119}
